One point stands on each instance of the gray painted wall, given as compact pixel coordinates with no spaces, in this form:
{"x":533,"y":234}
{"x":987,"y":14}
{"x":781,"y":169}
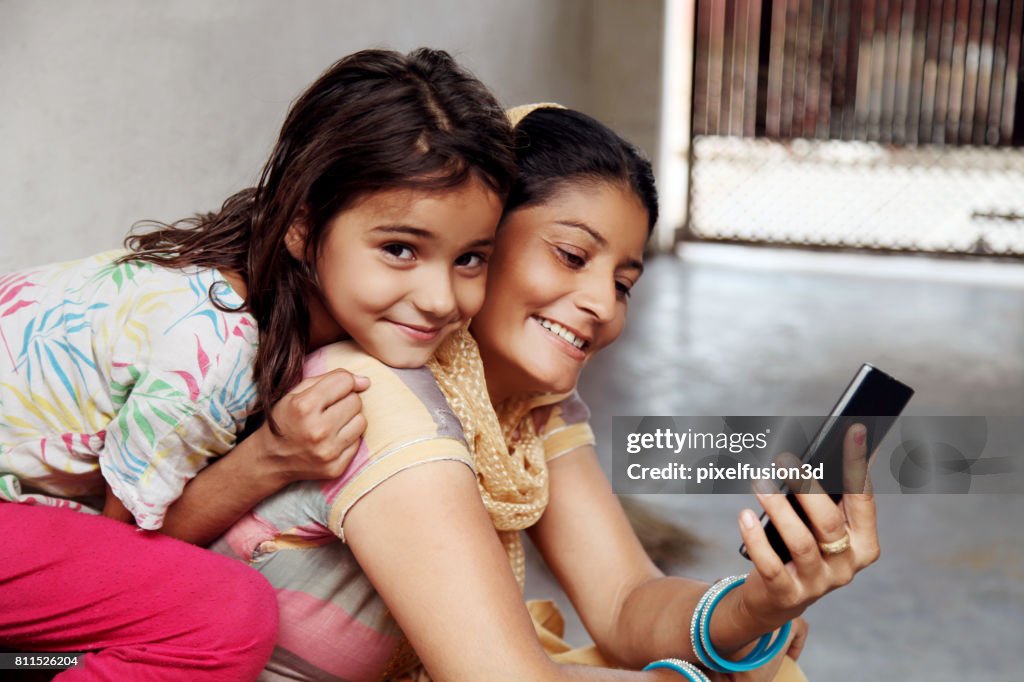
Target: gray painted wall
{"x":115,"y":110}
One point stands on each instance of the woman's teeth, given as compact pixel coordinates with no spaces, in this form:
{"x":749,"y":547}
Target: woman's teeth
{"x":561,"y":331}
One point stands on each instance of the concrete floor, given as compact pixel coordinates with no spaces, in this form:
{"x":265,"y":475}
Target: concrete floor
{"x":737,"y":335}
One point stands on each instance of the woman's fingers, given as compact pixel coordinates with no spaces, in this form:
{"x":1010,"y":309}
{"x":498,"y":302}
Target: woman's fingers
{"x":766,"y":562}
{"x":858,"y":500}
{"x":853,"y":522}
{"x":858,"y":503}
{"x":828,"y":548}
{"x":855,"y":459}
{"x":799,"y":539}
{"x":826,"y":519}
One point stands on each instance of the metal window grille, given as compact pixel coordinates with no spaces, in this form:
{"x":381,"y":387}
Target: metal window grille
{"x":881,"y":124}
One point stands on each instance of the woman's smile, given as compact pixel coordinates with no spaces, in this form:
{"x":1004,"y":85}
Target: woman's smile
{"x":572,"y":343}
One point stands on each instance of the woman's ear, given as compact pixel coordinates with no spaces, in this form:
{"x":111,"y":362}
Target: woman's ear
{"x":295,"y":239}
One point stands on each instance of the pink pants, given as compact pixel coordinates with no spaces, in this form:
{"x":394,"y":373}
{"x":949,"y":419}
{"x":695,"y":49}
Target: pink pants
{"x":146,"y":606}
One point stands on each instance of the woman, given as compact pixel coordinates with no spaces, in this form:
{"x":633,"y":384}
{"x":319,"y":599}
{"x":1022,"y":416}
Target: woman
{"x":422,"y":564}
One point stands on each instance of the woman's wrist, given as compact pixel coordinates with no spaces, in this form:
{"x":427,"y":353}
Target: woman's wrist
{"x":734,"y":626}
{"x":758,"y":619}
{"x":767,"y":647}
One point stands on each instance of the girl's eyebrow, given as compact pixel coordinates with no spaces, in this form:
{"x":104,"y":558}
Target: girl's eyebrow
{"x":405,"y":229}
{"x":632,"y":263}
{"x":428,"y":235}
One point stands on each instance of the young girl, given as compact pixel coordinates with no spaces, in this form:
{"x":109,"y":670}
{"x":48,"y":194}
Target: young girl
{"x":429,"y":565}
{"x":372,"y":220}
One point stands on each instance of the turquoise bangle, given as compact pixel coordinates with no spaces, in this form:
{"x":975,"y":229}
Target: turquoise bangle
{"x":767,"y":646}
{"x":684,"y":668}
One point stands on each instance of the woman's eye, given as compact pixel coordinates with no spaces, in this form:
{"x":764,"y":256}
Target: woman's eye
{"x":470,"y":260}
{"x":623,"y":289}
{"x":571,"y":259}
{"x":401,"y":252}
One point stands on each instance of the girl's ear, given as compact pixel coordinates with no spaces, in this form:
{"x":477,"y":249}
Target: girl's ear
{"x":295,"y":239}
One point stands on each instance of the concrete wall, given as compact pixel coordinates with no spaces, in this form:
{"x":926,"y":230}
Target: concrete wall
{"x":116,"y":110}
{"x":625,"y":68}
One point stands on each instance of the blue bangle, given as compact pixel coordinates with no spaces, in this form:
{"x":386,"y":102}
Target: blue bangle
{"x":684,"y":668}
{"x":767,"y":646}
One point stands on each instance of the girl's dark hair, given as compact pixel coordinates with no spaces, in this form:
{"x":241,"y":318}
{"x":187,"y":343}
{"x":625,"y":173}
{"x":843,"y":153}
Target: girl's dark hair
{"x":558,"y":147}
{"x":374,"y":120}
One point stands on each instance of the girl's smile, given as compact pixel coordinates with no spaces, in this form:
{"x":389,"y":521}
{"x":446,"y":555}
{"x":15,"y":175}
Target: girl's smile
{"x":402,"y":269}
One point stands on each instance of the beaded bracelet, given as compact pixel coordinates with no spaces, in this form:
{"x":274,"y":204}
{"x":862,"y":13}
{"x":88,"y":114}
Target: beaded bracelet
{"x":685,"y":668}
{"x":767,"y":646}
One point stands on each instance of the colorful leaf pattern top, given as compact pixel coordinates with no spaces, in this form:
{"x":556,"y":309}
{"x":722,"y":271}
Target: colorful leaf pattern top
{"x":119,"y":372}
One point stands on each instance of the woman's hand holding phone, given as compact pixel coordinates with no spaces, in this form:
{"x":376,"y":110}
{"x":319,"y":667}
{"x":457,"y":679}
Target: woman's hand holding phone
{"x":776,"y":592}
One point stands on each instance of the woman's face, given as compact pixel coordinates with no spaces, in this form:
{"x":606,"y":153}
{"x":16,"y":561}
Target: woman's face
{"x":402,"y":269}
{"x":558,"y":287}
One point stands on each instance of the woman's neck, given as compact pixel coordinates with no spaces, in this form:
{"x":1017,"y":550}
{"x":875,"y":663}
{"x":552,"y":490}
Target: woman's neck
{"x":500,"y":377}
{"x":496,"y":388}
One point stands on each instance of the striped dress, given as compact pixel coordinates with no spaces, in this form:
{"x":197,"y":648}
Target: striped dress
{"x":120,"y":373}
{"x":334,"y":626}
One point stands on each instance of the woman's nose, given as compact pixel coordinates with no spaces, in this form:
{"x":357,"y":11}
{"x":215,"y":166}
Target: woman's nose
{"x":599,"y":296}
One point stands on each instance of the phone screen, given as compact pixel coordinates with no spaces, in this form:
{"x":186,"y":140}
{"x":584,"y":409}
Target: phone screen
{"x":874,"y":399}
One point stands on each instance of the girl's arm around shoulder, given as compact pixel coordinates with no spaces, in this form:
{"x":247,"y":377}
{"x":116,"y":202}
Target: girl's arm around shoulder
{"x":427,"y":544}
{"x":320,"y":424}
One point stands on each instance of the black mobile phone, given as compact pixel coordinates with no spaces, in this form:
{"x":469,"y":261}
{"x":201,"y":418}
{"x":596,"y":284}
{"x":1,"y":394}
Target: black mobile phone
{"x":874,"y":399}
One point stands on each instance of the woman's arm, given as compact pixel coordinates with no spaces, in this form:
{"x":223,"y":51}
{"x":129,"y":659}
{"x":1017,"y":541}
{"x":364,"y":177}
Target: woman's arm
{"x":632,"y":610}
{"x":427,"y":544}
{"x":320,"y":424}
{"x":636,"y":614}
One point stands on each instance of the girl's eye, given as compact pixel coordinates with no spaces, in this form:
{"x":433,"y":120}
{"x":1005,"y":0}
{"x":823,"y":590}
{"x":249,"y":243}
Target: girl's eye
{"x":402,"y":252}
{"x":573,"y":260}
{"x":623,"y":289}
{"x":471,"y":260}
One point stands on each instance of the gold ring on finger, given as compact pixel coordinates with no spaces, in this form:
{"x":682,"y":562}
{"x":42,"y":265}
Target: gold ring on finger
{"x":836,"y":546}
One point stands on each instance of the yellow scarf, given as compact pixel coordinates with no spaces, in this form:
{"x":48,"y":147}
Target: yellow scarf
{"x":507,"y":450}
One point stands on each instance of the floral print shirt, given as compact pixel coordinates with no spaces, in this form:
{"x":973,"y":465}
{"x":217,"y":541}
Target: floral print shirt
{"x":126,"y":373}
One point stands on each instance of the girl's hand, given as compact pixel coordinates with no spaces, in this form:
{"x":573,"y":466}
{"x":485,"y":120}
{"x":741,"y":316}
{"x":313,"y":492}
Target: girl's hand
{"x":775,"y":593}
{"x":321,"y":423}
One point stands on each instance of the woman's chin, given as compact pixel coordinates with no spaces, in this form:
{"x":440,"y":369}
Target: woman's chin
{"x":553,"y":381}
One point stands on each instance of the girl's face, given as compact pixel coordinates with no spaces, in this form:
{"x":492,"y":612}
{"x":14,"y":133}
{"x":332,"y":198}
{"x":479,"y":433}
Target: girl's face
{"x":402,"y":269}
{"x":558,"y":287}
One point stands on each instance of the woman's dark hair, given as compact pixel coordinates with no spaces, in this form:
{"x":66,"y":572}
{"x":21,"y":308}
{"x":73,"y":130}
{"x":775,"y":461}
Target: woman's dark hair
{"x":556,"y":147}
{"x":375,"y":120}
